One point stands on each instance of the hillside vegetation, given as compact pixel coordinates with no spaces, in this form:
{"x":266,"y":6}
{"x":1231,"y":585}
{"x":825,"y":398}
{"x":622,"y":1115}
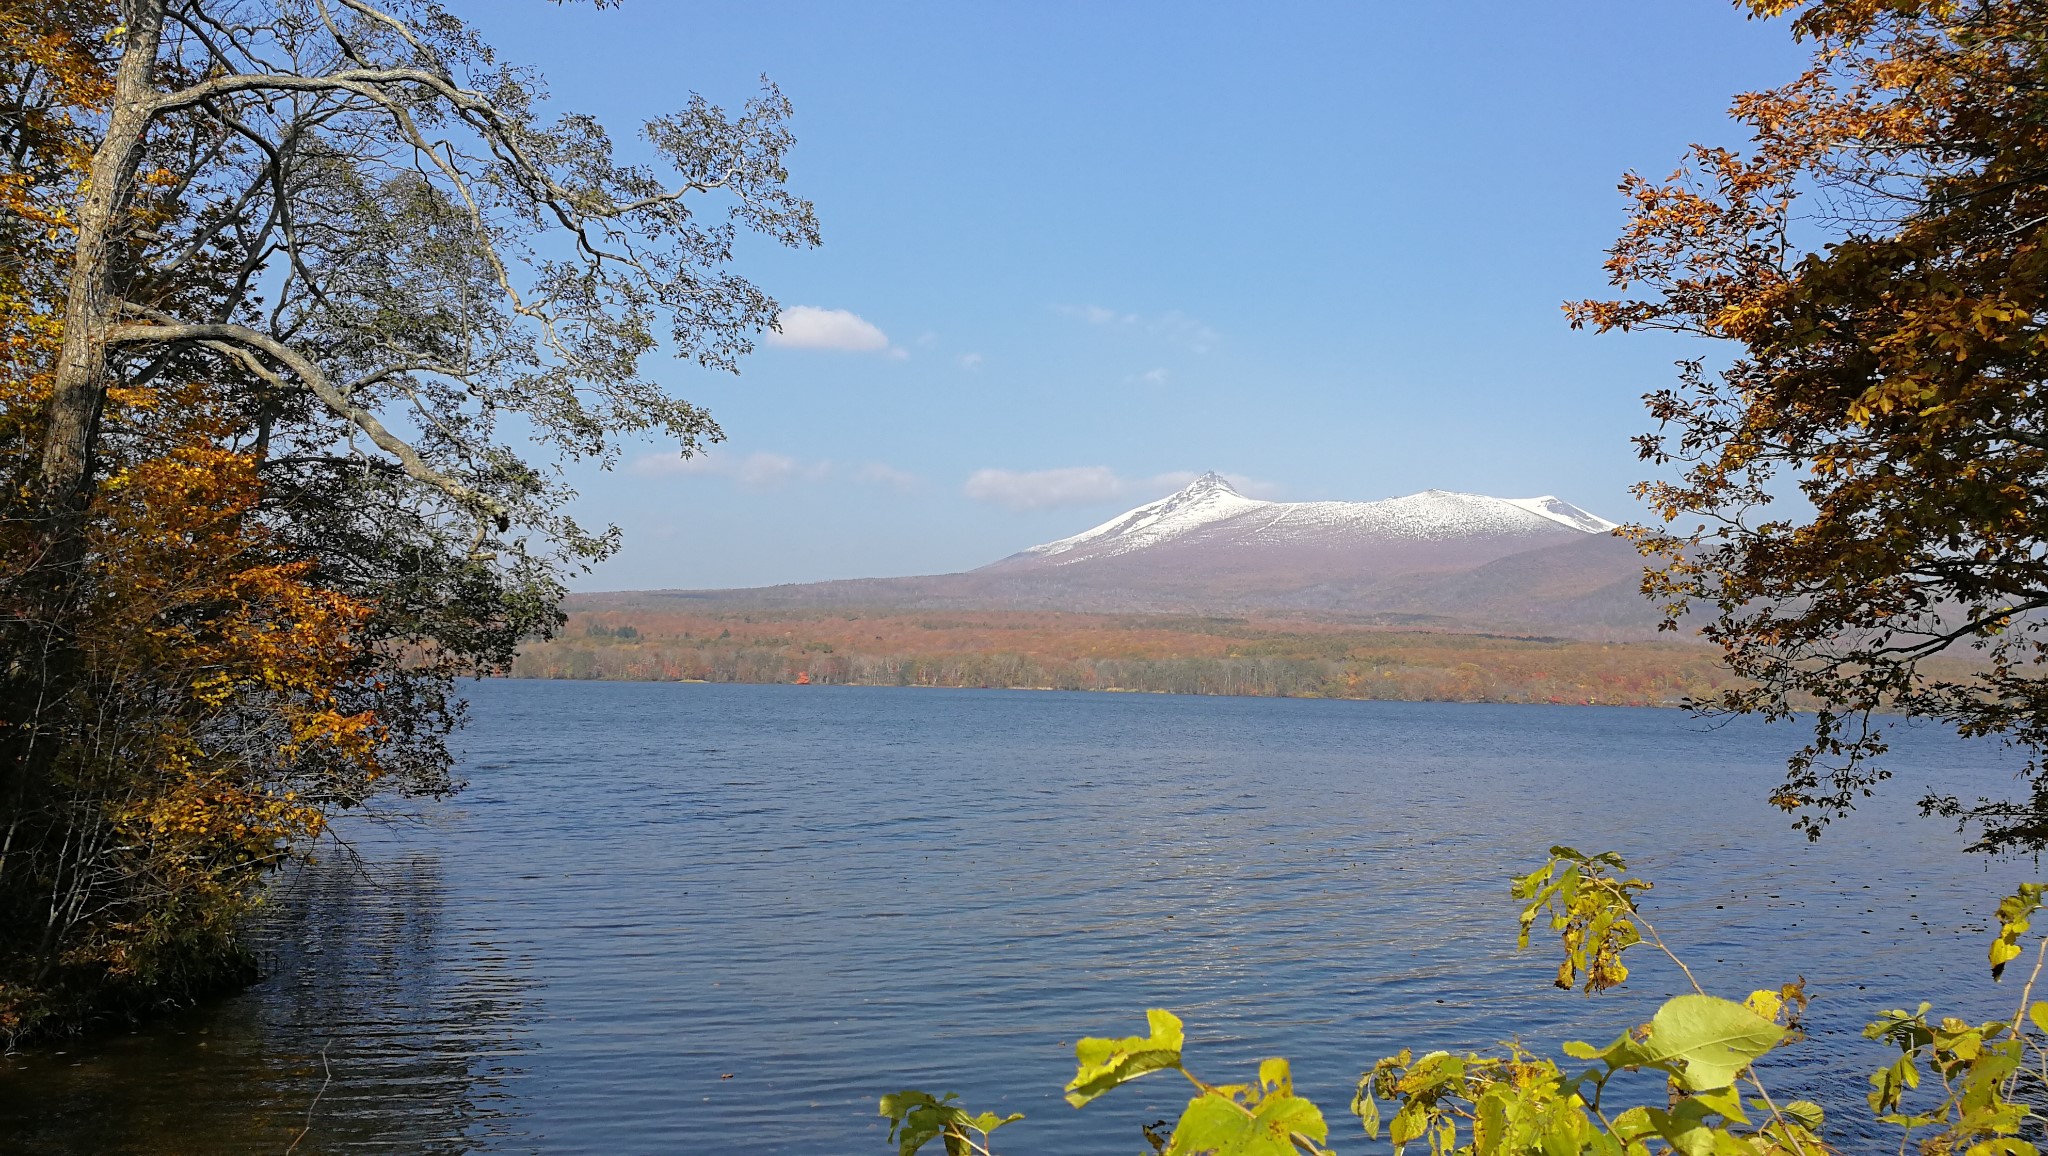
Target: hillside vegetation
{"x":1049,"y":650}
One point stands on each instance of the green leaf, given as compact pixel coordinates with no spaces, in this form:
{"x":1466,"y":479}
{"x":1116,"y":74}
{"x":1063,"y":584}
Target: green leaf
{"x":1408,"y":1123}
{"x":916,"y":1118}
{"x":2015,"y":914}
{"x":1690,"y":1126}
{"x":1711,"y":1039}
{"x":1634,"y":1124}
{"x":1889,"y":1084}
{"x":1430,"y":1073}
{"x":1266,"y":1119}
{"x":1105,"y":1064}
{"x":1625,"y":1052}
{"x":1490,"y":1121}
{"x":1805,"y":1113}
{"x":1726,"y":1102}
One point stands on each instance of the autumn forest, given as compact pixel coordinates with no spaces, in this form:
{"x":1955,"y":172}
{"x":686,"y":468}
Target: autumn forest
{"x":1173,"y":655}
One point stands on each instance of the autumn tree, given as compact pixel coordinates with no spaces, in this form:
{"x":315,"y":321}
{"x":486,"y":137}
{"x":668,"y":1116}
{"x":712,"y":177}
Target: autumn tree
{"x":307,"y":304}
{"x":1862,"y":479}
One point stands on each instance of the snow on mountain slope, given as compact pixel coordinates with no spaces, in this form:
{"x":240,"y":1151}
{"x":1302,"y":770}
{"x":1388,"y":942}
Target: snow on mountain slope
{"x":1205,"y":500}
{"x":1438,"y":559}
{"x":1564,"y":513}
{"x":1209,"y":511}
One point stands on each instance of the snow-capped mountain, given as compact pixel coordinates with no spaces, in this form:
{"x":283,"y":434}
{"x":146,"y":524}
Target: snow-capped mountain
{"x":1209,"y":510}
{"x":1437,"y":558}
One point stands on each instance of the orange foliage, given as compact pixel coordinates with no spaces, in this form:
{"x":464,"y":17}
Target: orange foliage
{"x":619,"y":637}
{"x":204,"y":735}
{"x":1877,"y":261}
{"x":200,"y":731}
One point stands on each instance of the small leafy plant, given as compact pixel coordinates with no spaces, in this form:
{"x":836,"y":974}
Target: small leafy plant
{"x":1511,"y":1102}
{"x":916,"y":1119}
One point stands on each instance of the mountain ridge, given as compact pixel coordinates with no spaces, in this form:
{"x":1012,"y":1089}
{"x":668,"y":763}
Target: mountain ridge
{"x":1436,"y":559}
{"x":1210,"y":508}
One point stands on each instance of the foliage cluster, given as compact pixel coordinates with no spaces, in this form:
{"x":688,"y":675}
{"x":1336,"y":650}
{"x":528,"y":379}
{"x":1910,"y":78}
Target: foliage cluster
{"x":1983,"y":1090}
{"x":274,"y":274}
{"x":1876,"y":267}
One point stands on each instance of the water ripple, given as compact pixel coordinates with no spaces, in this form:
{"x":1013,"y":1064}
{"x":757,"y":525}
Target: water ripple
{"x":685,"y":918}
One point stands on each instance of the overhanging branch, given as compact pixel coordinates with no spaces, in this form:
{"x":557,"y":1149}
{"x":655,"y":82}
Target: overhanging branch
{"x":241,"y":337}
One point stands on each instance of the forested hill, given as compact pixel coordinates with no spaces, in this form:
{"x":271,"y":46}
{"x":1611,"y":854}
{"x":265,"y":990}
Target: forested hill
{"x":621,"y":637}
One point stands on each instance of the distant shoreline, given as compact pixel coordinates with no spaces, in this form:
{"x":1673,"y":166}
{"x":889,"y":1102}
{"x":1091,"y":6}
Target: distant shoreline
{"x":1128,"y":654}
{"x":1672,"y":704}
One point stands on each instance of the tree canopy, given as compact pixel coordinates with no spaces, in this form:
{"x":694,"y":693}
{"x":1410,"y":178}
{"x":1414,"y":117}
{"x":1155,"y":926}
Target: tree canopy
{"x":1863,"y":483}
{"x":306,"y":304}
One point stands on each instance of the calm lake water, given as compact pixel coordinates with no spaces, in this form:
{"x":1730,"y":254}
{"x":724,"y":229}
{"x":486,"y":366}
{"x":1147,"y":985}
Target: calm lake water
{"x":695,"y":918}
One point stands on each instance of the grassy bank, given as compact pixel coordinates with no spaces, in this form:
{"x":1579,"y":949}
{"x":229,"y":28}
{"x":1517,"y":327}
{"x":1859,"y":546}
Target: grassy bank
{"x":1180,"y":655}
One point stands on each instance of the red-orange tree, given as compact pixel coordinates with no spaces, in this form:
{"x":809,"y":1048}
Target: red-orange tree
{"x":1875,"y":263}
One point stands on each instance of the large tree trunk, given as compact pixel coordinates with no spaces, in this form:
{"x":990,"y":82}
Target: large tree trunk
{"x":80,"y":386}
{"x":41,"y":657}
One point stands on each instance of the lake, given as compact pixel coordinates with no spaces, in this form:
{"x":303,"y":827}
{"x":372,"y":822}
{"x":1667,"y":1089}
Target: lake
{"x":710,"y":918}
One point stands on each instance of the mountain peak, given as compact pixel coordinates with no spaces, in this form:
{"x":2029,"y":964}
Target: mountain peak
{"x":1210,"y":482}
{"x":1206,"y":500}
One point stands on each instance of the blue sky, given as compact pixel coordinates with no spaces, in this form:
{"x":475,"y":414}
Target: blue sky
{"x":1089,"y":248}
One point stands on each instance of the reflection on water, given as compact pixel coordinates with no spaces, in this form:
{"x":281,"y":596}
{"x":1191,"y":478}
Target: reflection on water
{"x":682,"y":918}
{"x":404,"y":1032}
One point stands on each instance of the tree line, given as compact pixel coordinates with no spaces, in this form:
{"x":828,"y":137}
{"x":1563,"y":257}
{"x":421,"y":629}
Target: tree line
{"x":1164,"y":654}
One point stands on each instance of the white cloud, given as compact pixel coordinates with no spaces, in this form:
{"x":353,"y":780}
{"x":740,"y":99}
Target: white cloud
{"x":1173,"y":326}
{"x":1043,"y":489}
{"x":1088,"y":486}
{"x":1180,"y":329}
{"x":970,"y":361}
{"x":1096,"y":314}
{"x":1156,"y":376}
{"x":884,"y":474}
{"x":755,"y":471}
{"x":767,"y":471}
{"x":809,"y":327}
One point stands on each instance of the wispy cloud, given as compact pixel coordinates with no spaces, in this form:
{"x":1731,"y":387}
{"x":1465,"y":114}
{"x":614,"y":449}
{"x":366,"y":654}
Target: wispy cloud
{"x":1085,"y":486}
{"x":884,"y":474}
{"x":810,"y":327}
{"x":756,"y":471}
{"x":1096,"y":315}
{"x":1044,"y":489}
{"x":767,"y":471}
{"x":971,"y":360}
{"x":1172,"y":327}
{"x":1156,"y":376}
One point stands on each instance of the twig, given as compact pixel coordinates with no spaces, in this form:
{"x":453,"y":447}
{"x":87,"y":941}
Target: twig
{"x":2026,"y":993}
{"x":327,"y":1078}
{"x":1657,"y":941}
{"x":2019,"y":1015}
{"x":1754,"y":1079}
{"x":1757,"y":1083}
